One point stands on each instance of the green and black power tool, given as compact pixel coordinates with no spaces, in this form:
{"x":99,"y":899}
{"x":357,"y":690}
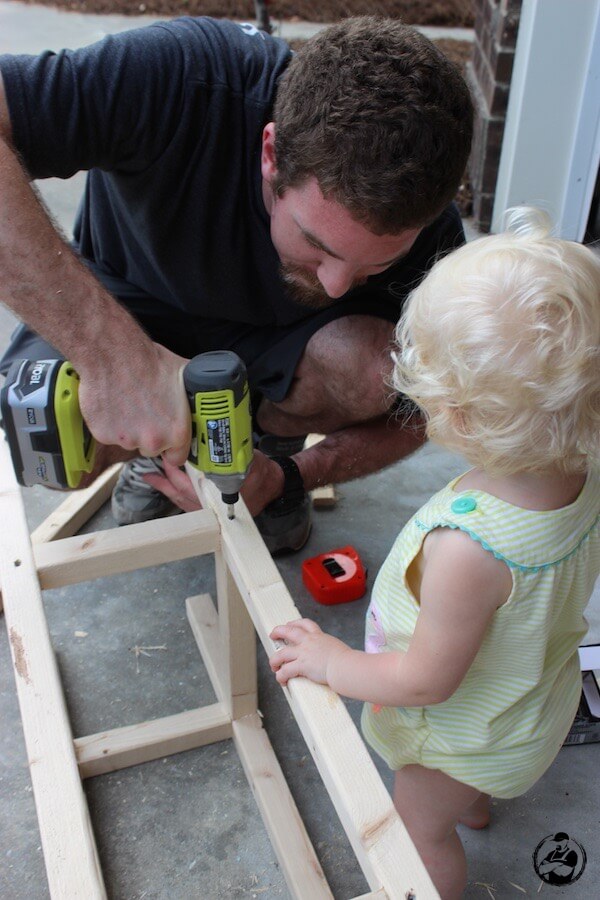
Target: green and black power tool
{"x":217,"y":387}
{"x":50,"y":443}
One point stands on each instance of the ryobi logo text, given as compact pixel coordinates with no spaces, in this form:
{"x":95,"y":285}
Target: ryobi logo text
{"x":36,"y":373}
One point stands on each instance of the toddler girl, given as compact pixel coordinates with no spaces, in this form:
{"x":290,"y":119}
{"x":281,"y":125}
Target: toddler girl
{"x":472,"y":678}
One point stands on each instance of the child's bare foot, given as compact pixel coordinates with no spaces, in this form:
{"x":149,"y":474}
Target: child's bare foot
{"x":478,"y":815}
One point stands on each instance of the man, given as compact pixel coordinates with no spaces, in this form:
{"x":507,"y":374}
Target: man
{"x":237,"y":198}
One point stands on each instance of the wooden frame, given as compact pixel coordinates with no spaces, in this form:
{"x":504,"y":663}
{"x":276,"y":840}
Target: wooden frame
{"x":251,"y":597}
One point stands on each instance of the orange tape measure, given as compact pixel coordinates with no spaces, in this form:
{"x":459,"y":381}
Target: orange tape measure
{"x":335,"y":577}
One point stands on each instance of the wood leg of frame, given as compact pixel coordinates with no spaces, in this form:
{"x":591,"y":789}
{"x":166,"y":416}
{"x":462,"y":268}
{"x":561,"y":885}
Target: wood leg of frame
{"x":204,"y":623}
{"x":134,"y":744}
{"x":285,"y":828}
{"x":238,"y":643}
{"x":70,"y":854}
{"x":76,"y":510}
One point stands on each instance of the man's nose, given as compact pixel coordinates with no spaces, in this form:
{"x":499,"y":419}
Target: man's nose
{"x":336,"y":276}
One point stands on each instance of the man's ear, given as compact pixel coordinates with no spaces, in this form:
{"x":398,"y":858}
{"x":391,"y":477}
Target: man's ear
{"x":268,"y":165}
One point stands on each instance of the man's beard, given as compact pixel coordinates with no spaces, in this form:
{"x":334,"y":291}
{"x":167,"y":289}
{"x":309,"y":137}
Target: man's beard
{"x":304,"y":287}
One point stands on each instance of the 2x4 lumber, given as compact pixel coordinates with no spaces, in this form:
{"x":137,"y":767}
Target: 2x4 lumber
{"x":216,"y":655}
{"x":323,"y":496}
{"x":292,"y":846}
{"x":380,"y":841}
{"x":289,"y":839}
{"x":77,"y":509}
{"x":133,"y":744}
{"x":204,"y":623}
{"x":70,"y":854}
{"x":117,"y":550}
{"x":238,"y":643}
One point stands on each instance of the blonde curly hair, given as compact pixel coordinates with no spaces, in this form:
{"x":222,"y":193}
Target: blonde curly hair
{"x":500,"y":347}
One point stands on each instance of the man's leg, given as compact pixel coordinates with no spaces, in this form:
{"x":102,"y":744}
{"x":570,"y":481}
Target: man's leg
{"x":342,"y":379}
{"x":340,"y":382}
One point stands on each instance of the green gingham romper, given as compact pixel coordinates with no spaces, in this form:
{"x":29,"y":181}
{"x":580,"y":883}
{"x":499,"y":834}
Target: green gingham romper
{"x":507,"y":720}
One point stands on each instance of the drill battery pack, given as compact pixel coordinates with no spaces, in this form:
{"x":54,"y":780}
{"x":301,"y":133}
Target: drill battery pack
{"x":47,"y":437}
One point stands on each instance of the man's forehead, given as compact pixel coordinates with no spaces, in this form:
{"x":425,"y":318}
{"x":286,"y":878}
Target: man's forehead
{"x":331,"y":227}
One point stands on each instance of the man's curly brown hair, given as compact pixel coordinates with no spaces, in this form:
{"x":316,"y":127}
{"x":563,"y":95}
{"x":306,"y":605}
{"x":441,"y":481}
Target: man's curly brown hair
{"x":380,"y":117}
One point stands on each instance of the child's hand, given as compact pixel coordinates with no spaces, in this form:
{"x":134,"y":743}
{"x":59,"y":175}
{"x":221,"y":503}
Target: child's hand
{"x":307,"y":651}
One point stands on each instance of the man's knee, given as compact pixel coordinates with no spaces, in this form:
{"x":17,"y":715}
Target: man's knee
{"x":350,"y":359}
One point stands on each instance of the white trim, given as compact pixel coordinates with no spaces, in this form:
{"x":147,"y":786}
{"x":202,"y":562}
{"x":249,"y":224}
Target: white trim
{"x":551,"y":147}
{"x":585,"y":159}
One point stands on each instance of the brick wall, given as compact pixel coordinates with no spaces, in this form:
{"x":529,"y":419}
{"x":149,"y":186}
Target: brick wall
{"x":489,"y":74}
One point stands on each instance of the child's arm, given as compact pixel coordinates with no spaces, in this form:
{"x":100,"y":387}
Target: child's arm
{"x":461,"y":588}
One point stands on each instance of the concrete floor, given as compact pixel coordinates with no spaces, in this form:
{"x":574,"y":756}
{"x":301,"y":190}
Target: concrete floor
{"x":187,"y":826}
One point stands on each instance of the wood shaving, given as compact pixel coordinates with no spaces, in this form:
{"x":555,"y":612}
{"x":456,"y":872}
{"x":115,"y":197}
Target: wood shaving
{"x":143,"y":651}
{"x":489,"y":888}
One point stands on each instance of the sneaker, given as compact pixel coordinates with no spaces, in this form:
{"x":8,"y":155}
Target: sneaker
{"x":285,"y":523}
{"x":134,"y":500}
{"x":285,"y":526}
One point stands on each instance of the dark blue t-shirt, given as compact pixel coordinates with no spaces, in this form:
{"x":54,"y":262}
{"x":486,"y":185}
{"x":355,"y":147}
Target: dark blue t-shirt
{"x":168,"y":120}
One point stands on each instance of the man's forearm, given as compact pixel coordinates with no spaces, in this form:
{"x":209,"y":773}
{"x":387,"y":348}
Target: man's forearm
{"x":43,"y":282}
{"x":359,"y":450}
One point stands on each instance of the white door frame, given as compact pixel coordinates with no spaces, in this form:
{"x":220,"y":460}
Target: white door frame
{"x":551,"y":147}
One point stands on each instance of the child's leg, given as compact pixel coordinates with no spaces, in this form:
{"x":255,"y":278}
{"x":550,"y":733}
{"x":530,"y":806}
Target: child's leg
{"x":430,"y":804}
{"x":478,"y":814}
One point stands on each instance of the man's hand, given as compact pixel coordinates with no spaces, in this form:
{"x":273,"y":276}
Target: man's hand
{"x":138,"y":401}
{"x":263,"y":484}
{"x":177,"y":486}
{"x":307,"y":651}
